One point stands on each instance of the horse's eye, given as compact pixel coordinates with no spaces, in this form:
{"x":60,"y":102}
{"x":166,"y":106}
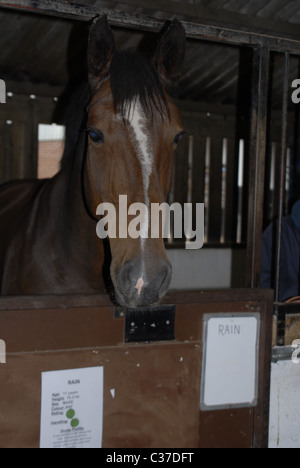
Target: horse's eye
{"x":178,"y":137}
{"x":96,"y":135}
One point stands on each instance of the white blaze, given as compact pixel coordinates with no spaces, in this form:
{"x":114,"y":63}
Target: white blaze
{"x":138,"y":121}
{"x":139,"y":285}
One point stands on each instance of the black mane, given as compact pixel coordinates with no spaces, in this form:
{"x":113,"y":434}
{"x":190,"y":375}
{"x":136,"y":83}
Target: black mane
{"x":132,"y":77}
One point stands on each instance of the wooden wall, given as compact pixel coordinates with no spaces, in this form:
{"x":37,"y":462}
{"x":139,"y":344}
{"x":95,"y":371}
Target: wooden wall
{"x":19,"y":119}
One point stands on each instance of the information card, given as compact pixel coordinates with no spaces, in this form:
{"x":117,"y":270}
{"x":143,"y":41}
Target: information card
{"x":230,"y":361}
{"x":72,"y":408}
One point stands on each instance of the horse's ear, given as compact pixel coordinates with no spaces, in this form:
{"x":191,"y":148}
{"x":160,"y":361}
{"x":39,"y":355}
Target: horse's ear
{"x":170,"y":52}
{"x":101,"y":48}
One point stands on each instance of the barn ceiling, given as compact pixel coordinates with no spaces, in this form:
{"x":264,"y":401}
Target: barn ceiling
{"x":45,"y":53}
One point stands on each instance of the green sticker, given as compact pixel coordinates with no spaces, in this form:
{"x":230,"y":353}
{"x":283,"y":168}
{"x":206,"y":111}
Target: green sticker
{"x":70,"y":413}
{"x":74,"y":422}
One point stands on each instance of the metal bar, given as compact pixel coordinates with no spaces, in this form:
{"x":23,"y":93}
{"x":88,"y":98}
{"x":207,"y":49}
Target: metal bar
{"x":282,"y":172}
{"x":194,"y":30}
{"x":257,"y":164}
{"x":282,"y":353}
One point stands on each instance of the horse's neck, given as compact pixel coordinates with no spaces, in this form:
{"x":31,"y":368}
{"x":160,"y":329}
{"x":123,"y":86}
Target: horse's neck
{"x":74,"y":230}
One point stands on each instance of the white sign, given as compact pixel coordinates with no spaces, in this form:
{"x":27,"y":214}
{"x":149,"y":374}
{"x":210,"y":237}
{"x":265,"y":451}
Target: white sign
{"x":72,"y":408}
{"x":230,"y":361}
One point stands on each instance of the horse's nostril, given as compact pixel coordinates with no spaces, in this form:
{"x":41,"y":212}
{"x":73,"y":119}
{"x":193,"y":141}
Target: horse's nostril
{"x":166,"y":279}
{"x":124,"y":277}
{"x":143,"y":289}
{"x":139,"y":285}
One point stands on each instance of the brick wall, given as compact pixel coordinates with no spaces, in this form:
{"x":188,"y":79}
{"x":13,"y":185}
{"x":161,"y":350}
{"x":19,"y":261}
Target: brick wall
{"x":50,"y":154}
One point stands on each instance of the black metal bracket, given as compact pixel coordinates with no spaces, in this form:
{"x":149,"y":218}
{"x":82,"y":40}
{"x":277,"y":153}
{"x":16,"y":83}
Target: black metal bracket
{"x":149,"y":324}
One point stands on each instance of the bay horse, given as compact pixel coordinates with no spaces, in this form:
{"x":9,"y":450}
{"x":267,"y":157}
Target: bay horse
{"x":122,"y":140}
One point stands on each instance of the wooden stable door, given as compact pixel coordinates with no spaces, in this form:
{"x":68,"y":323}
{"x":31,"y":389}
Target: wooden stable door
{"x":151,"y":390}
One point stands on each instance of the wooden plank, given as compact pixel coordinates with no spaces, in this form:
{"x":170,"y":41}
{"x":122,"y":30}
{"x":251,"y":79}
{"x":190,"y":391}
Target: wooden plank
{"x":231,"y":192}
{"x":173,"y":297}
{"x":181,"y":172}
{"x":208,"y":124}
{"x":2,"y":152}
{"x":261,"y":420}
{"x":276,"y":198}
{"x":50,"y":327}
{"x":19,"y":106}
{"x":234,"y":424}
{"x":198,"y":169}
{"x":19,"y":150}
{"x":50,"y":302}
{"x":180,"y":179}
{"x":257,"y":164}
{"x":31,"y":167}
{"x":216,"y":16}
{"x":215,"y":193}
{"x":8,"y":149}
{"x":282,"y":165}
{"x":41,"y":90}
{"x":16,"y":150}
{"x":19,"y":143}
{"x":133,"y":20}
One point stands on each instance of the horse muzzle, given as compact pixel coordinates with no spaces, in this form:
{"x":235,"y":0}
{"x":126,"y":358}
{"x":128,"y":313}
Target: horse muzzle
{"x":135,"y":287}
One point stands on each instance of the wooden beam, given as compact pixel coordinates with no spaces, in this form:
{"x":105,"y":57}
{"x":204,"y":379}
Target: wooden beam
{"x":257,"y":165}
{"x":216,"y":16}
{"x":195,"y":30}
{"x":28,"y":88}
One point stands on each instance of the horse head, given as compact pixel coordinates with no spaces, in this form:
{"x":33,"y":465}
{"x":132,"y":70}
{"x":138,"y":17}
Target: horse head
{"x":133,"y":129}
